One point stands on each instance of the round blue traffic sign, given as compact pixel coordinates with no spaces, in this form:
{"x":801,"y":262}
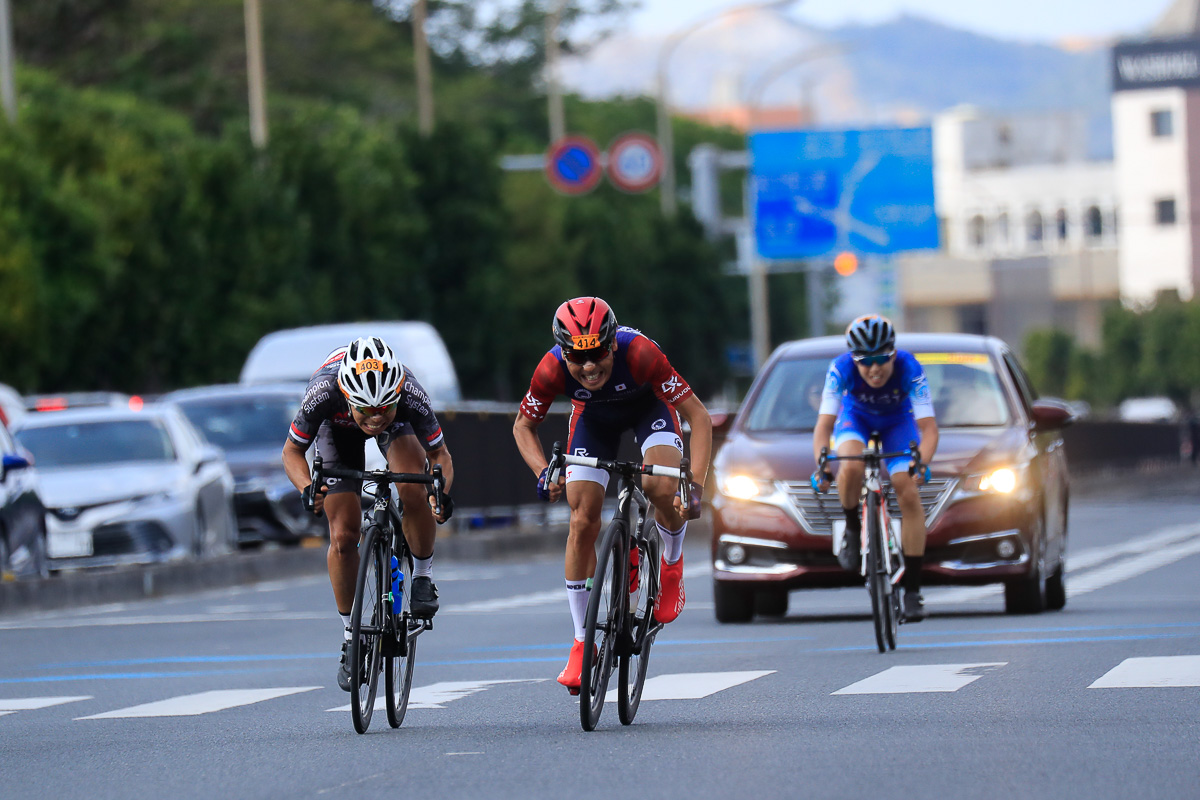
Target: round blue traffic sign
{"x":573,"y":165}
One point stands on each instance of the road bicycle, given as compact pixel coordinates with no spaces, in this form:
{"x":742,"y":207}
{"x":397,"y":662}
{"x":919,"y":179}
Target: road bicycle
{"x":383,"y":631}
{"x":882,"y":564}
{"x":620,"y":626}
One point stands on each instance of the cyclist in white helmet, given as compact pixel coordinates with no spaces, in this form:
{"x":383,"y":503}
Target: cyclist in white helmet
{"x":362,"y":392}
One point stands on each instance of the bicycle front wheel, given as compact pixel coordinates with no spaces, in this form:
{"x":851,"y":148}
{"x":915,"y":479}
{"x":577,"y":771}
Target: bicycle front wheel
{"x":605,"y":622}
{"x":366,"y":629}
{"x":631,"y":675}
{"x":399,"y":671}
{"x":877,"y":577}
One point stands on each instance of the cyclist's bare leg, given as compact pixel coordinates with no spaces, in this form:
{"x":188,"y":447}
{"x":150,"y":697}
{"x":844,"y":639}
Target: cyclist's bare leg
{"x":912,"y":515}
{"x":661,"y":491}
{"x":345,"y":529}
{"x":405,"y":454}
{"x":586,"y":499}
{"x":850,"y":473}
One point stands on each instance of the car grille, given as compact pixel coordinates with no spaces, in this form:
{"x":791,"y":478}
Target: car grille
{"x":123,"y":538}
{"x":817,"y":513}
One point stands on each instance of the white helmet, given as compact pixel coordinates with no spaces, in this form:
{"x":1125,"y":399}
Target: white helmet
{"x":370,"y":375}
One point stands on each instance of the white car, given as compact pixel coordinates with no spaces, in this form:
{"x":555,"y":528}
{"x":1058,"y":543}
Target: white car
{"x":125,"y":486}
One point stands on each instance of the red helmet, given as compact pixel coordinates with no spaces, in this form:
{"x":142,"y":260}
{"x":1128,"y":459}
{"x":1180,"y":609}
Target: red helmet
{"x":584,"y":323}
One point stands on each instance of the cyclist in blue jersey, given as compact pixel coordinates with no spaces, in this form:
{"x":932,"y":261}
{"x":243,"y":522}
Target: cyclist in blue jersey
{"x":876,"y":387}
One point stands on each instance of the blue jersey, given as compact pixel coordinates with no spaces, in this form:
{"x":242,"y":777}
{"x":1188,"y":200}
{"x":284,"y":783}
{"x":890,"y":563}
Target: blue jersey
{"x":905,"y":393}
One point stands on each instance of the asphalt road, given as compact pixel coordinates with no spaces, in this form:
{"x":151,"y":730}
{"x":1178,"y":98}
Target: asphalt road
{"x":232,"y":693}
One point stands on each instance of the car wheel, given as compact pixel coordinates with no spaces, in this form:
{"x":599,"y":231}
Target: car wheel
{"x":41,"y":564}
{"x":732,"y":603}
{"x":1026,"y":595}
{"x":4,"y":555}
{"x":200,"y":544}
{"x":771,"y":603}
{"x":1056,"y":588}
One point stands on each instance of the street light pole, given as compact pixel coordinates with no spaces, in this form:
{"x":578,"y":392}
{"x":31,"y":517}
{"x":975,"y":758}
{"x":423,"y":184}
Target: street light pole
{"x":424,"y":70}
{"x":256,"y":74}
{"x":554,"y":99}
{"x":666,"y":139}
{"x":8,"y":83}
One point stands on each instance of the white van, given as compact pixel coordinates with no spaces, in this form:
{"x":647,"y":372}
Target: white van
{"x":294,"y":354}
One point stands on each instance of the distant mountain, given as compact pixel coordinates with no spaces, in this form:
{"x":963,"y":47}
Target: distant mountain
{"x":903,"y":70}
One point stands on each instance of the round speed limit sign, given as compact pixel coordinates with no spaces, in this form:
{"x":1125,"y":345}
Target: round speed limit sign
{"x":634,"y":162}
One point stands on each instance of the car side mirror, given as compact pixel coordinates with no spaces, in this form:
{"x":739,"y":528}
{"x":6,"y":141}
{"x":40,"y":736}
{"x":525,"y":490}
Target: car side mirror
{"x":209,"y":454}
{"x":722,"y":421}
{"x":13,"y":461}
{"x":1051,"y":415}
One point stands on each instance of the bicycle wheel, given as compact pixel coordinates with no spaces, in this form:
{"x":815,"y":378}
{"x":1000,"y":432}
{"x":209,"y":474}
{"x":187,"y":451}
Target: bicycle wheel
{"x":605,"y":622}
{"x":877,"y":573}
{"x":366,"y":629}
{"x":399,"y":669}
{"x":631,"y":674}
{"x":894,"y":609}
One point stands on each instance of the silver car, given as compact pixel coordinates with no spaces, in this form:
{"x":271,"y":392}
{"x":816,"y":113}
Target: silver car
{"x":125,"y":486}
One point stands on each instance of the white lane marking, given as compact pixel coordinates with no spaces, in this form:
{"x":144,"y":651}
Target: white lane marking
{"x":691,"y":685}
{"x":927,"y":678}
{"x":13,"y":705}
{"x":190,"y":705}
{"x":166,"y":619}
{"x":438,"y":694}
{"x":1152,"y":672}
{"x":1148,"y":552}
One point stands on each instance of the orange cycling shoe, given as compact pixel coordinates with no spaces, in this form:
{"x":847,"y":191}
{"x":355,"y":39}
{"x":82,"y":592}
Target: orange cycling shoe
{"x":572,"y":674}
{"x":670,"y":600}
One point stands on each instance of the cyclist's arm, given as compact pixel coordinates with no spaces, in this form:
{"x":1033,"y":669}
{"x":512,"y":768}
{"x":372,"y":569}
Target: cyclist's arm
{"x":821,"y":433}
{"x":928,"y":428}
{"x":528,"y":443}
{"x":440,"y":456}
{"x":700,"y":440}
{"x":295,"y":464}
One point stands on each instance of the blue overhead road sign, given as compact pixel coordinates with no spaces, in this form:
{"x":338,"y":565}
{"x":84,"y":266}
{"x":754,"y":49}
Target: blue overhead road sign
{"x":573,"y":165}
{"x":817,"y":193}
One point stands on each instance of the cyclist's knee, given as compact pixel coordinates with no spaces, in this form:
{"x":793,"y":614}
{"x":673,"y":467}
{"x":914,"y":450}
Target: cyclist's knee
{"x":414,"y":498}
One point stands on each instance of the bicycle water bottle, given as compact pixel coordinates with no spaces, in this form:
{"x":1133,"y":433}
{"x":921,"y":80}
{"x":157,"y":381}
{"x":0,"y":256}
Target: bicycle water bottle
{"x":397,"y":580}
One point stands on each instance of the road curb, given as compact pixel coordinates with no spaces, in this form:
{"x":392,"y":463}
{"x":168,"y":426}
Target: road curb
{"x":77,"y":589}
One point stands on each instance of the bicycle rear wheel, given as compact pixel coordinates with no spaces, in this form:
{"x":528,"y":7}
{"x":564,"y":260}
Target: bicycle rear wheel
{"x":877,"y":577}
{"x":366,"y":629}
{"x":631,"y":675}
{"x":398,"y":673}
{"x":605,"y":622}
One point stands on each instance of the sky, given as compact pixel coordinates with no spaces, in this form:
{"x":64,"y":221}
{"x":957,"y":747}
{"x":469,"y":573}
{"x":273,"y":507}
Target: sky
{"x":1042,"y":21}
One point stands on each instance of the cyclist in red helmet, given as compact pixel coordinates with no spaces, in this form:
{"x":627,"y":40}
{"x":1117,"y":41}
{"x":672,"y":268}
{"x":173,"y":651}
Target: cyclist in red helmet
{"x":617,"y":380}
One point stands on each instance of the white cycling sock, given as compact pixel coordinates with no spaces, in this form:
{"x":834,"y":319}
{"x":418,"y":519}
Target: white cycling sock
{"x":423,"y":566}
{"x":577,"y":596}
{"x":672,"y":542}
{"x":346,"y":624}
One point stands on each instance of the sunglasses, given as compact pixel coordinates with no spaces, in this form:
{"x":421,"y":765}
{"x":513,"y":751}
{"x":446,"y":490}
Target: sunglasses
{"x":872,"y":360}
{"x":371,"y":411}
{"x":595,"y":355}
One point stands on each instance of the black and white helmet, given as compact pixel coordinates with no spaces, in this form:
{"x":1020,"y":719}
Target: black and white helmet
{"x":370,"y":375}
{"x":870,"y":335}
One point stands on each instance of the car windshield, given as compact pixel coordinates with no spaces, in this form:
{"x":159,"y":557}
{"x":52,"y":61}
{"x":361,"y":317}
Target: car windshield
{"x":243,"y":422}
{"x":85,"y":443}
{"x":965,"y":389}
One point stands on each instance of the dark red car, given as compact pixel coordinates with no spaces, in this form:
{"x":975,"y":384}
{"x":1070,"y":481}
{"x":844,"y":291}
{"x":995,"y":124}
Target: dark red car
{"x":996,"y":507}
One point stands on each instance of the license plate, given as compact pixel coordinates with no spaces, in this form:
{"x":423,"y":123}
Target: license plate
{"x":69,"y":545}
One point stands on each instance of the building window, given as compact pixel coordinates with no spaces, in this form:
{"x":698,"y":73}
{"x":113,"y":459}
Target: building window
{"x":1062,"y":225}
{"x":1034,"y":230}
{"x":972,"y":318}
{"x":1164,"y":211}
{"x":1095,"y":223}
{"x":1002,"y":228}
{"x":978,"y":231}
{"x":1161,"y":125}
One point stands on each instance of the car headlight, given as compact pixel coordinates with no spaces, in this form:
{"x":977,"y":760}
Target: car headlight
{"x":743,"y":487}
{"x":1003,"y":480}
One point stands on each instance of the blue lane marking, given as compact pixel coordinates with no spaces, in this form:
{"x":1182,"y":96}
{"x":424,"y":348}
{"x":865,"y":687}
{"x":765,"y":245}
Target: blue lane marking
{"x":128,"y":676}
{"x":130,"y":662}
{"x":987,"y":643}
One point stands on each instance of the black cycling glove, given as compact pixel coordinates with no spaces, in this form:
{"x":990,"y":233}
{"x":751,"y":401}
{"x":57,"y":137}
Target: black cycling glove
{"x":308,"y":497}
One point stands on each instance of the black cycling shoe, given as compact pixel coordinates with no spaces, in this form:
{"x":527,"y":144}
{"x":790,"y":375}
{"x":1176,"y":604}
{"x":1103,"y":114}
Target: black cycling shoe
{"x":850,"y":556}
{"x":344,"y":668}
{"x":914,"y":607}
{"x":424,"y":597}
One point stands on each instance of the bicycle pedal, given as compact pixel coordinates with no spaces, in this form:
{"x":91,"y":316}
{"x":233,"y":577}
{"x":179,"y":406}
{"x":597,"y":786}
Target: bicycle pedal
{"x":574,"y":692}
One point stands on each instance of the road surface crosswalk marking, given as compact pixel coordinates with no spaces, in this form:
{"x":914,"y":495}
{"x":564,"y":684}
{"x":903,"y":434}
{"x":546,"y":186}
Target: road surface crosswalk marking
{"x":14,"y":705}
{"x":691,"y":685}
{"x":926,"y":678}
{"x":1152,"y":672}
{"x":438,"y":694}
{"x":190,"y":705}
